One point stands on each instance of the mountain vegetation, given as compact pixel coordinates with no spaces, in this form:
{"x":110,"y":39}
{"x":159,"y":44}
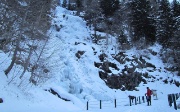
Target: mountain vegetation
{"x":24,"y":33}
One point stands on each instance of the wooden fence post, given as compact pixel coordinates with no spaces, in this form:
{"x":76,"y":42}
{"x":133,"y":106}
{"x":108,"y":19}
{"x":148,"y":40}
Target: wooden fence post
{"x":177,"y":96}
{"x":174,"y":99}
{"x":139,"y":100}
{"x":143,"y":99}
{"x":100,"y":104}
{"x":87,"y":105}
{"x":130,"y":101}
{"x":135,"y":101}
{"x":170,"y":100}
{"x":115,"y":103}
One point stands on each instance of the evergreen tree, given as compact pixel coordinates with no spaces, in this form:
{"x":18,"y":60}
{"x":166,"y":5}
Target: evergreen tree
{"x":78,"y":6}
{"x":174,"y":42}
{"x":79,"y":3}
{"x":92,"y":16}
{"x":164,"y":23}
{"x":141,"y":22}
{"x":122,"y":38}
{"x":150,"y":29}
{"x":109,"y":6}
{"x":64,"y":4}
{"x":175,"y":10}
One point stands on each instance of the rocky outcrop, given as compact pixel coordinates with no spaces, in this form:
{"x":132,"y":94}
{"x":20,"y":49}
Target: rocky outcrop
{"x":79,"y":54}
{"x":128,"y":78}
{"x":122,"y":81}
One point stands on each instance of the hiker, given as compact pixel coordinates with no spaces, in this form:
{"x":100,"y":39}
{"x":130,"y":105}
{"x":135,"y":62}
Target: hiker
{"x":148,"y":96}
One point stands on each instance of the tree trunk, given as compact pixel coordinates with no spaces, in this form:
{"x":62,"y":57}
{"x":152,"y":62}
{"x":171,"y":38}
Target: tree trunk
{"x":13,"y":58}
{"x":27,"y":62}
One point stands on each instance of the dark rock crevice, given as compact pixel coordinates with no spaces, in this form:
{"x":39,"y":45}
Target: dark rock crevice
{"x":56,"y":94}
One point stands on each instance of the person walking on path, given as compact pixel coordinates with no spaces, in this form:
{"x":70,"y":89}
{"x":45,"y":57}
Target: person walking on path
{"x":148,"y":96}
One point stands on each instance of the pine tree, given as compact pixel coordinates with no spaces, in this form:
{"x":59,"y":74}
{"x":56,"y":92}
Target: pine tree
{"x":92,"y":16}
{"x":164,"y":23}
{"x":174,"y":43}
{"x":64,"y":4}
{"x":175,"y":10}
{"x":79,"y":6}
{"x":150,"y":29}
{"x":141,"y":22}
{"x":122,"y":38}
{"x":109,"y":6}
{"x":79,"y":3}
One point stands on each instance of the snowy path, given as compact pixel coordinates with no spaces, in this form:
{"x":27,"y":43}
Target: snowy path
{"x":160,"y":105}
{"x":157,"y":106}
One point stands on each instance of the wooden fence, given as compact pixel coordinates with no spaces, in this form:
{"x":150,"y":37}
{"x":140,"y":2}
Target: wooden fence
{"x":129,"y":101}
{"x":172,"y":99}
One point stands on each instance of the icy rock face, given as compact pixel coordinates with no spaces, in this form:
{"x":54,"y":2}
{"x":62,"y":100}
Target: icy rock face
{"x":128,"y":77}
{"x":128,"y":82}
{"x":131,"y":70}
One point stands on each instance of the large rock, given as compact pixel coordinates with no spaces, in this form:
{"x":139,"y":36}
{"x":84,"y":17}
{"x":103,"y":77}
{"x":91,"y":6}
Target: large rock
{"x":129,"y":82}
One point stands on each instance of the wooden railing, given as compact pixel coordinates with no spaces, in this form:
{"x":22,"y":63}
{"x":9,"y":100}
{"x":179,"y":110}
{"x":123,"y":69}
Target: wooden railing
{"x":129,"y":101}
{"x":172,"y":99}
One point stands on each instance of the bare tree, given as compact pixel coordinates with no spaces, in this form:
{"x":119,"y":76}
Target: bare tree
{"x":13,"y":58}
{"x":34,"y":28}
{"x":31,"y":25}
{"x":17,"y":45}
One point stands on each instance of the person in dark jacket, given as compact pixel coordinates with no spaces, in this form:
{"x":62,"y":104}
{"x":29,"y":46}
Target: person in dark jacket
{"x":148,"y":96}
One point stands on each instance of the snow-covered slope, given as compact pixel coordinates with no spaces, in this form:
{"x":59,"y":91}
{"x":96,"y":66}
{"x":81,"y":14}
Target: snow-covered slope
{"x":76,"y":79}
{"x":75,"y":74}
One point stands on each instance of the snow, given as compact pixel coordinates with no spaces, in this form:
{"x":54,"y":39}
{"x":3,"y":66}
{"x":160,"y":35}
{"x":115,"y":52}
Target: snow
{"x":77,"y":79}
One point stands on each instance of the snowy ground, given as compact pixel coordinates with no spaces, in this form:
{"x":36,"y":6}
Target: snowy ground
{"x":76,"y":79}
{"x":37,"y":100}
